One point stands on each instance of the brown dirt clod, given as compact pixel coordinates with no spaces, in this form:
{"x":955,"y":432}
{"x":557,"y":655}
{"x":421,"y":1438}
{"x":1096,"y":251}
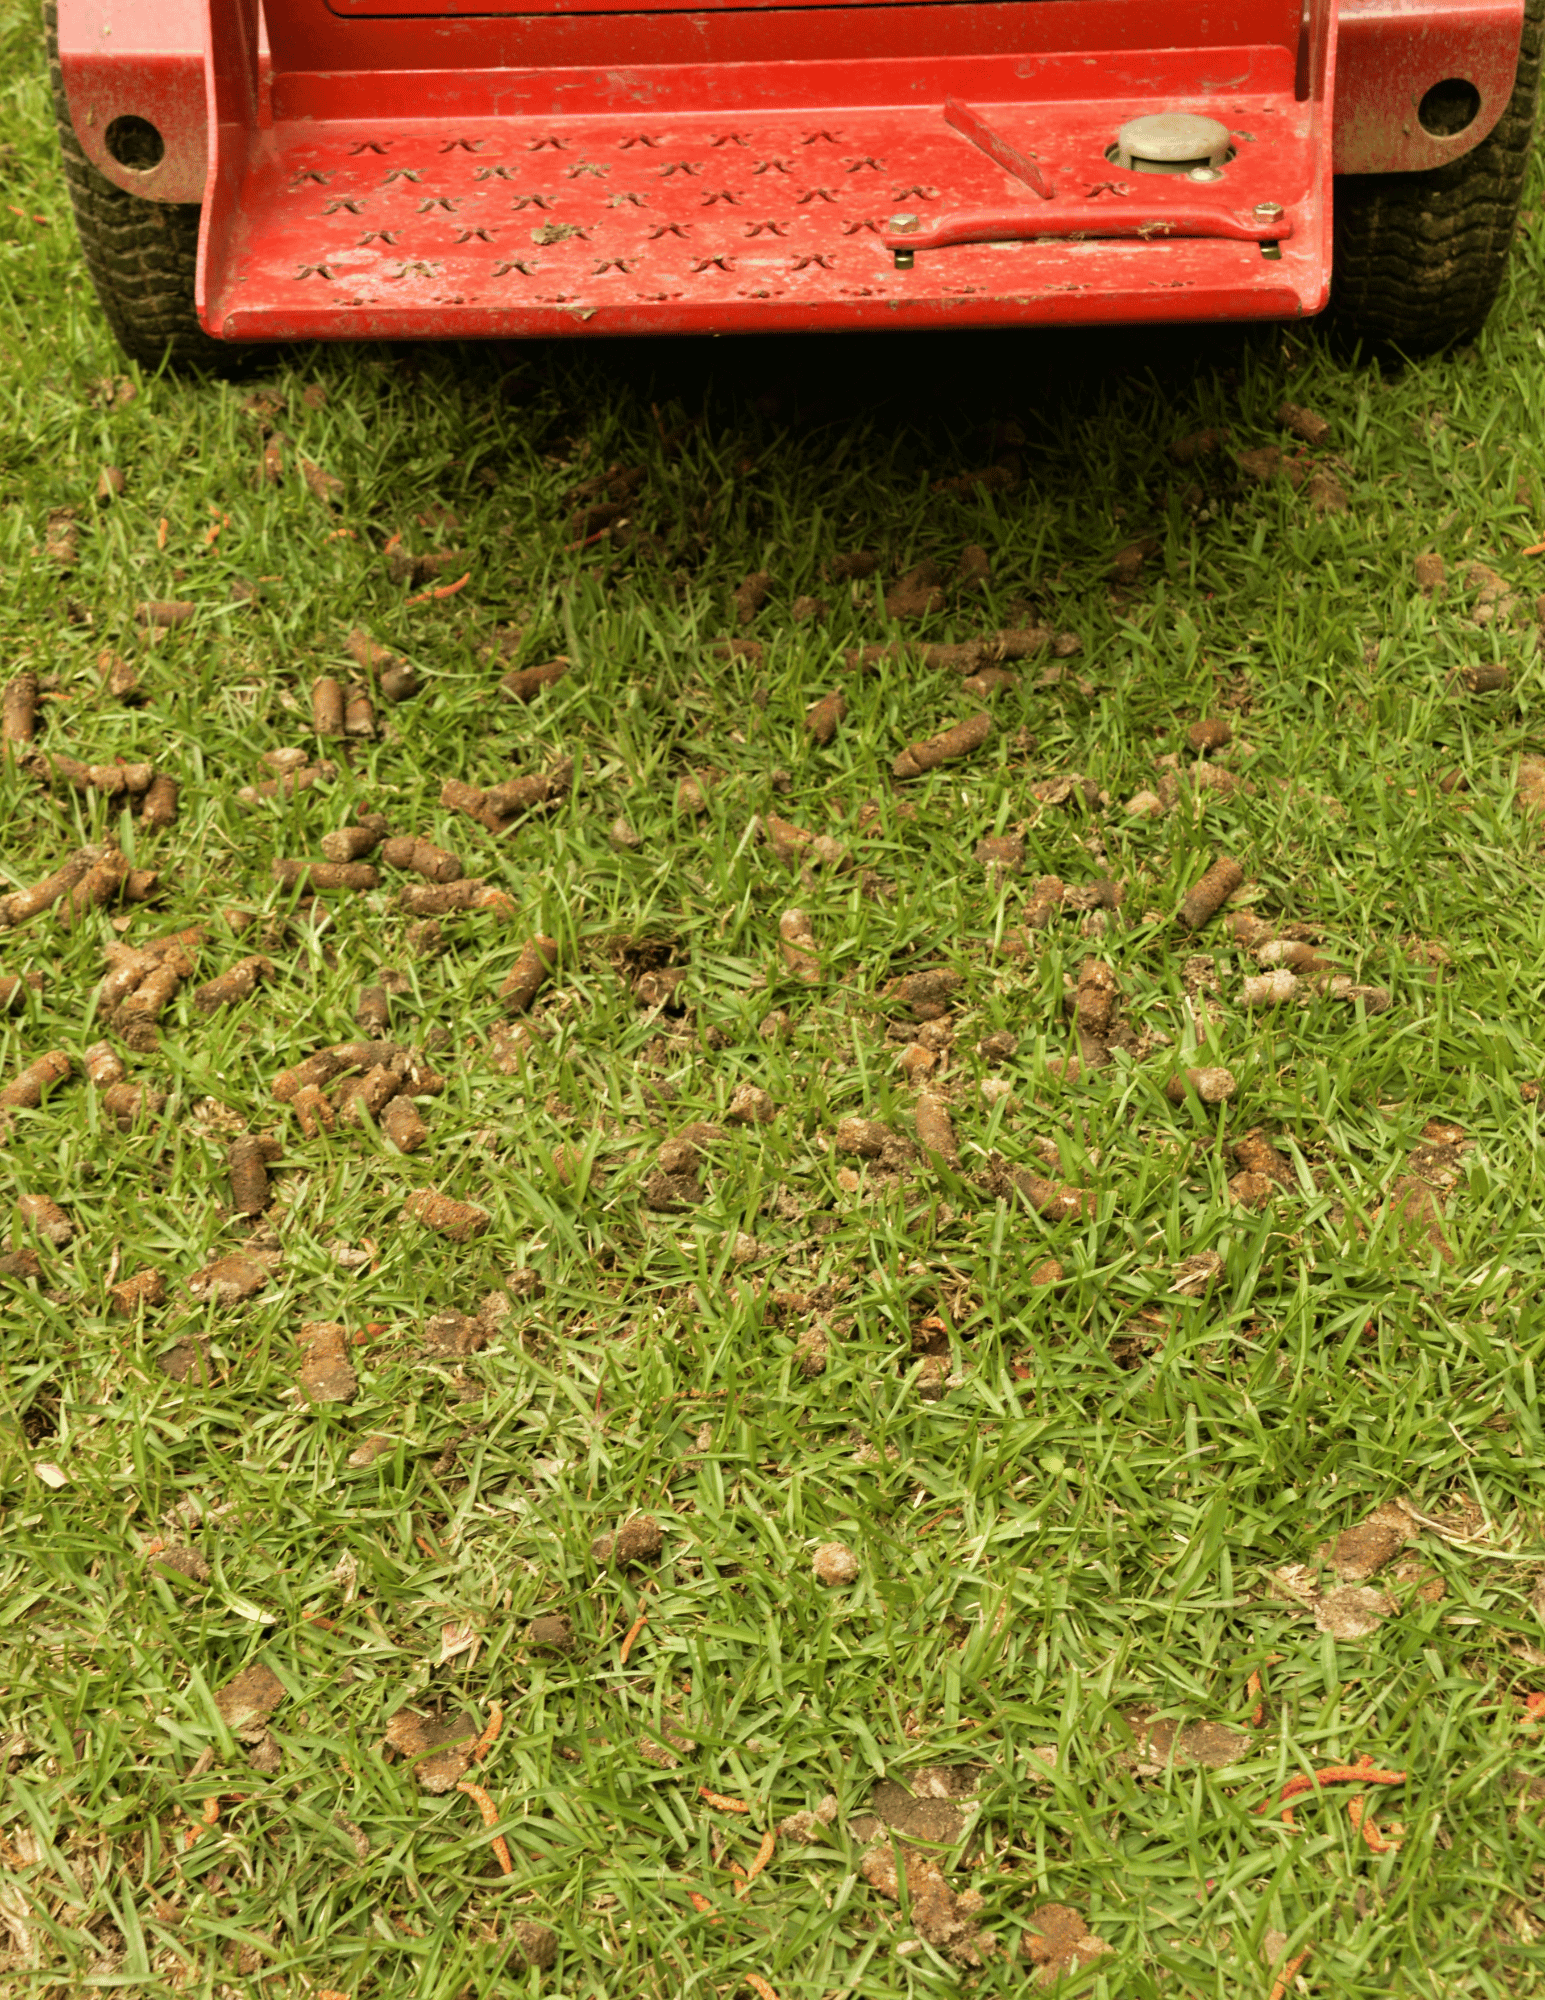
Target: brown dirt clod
{"x":1211,"y":733}
{"x":920,"y":591}
{"x":126,"y":1103}
{"x":638,"y":1542}
{"x":47,"y":1218}
{"x":146,"y":1288}
{"x":751,"y":595}
{"x":25,"y":1090}
{"x":14,"y":988}
{"x":821,"y":721}
{"x":163,"y":613}
{"x":160,"y":806}
{"x":1212,"y":1086}
{"x":526,"y":683}
{"x":1257,"y":1155}
{"x":553,"y":1632}
{"x":442,"y":899}
{"x":297,"y":778}
{"x":1057,"y":1941}
{"x":1206,"y":897}
{"x":353,"y":843}
{"x":422,"y":857}
{"x":935,"y":1129}
{"x":247,"y":1162}
{"x":834,"y":1564}
{"x":459,"y":1221}
{"x":796,"y":941}
{"x":359,"y":716}
{"x":355,"y":876}
{"x":863,"y":1138}
{"x":18,"y":711}
{"x":438,"y":1748}
{"x":529,"y":974}
{"x":960,"y":741}
{"x":327,"y":706}
{"x":1429,"y":573}
{"x":229,"y":1280}
{"x":1096,"y":998}
{"x":751,"y":1105}
{"x":1052,"y":1199}
{"x":1360,"y":1552}
{"x":402,"y":1125}
{"x":232,"y":986}
{"x":1306,"y":425}
{"x":943,"y":1919}
{"x":1197,"y":444}
{"x":326,"y":1373}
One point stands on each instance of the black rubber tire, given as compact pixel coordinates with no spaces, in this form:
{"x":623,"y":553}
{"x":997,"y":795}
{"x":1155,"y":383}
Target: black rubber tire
{"x":1419,"y":259}
{"x":141,"y":254}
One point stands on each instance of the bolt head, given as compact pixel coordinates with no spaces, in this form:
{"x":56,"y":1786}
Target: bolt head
{"x":1268,"y":211}
{"x":903,"y":222}
{"x":1205,"y":174}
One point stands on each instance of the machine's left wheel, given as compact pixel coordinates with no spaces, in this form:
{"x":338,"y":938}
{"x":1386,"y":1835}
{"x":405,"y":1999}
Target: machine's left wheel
{"x":141,"y":254}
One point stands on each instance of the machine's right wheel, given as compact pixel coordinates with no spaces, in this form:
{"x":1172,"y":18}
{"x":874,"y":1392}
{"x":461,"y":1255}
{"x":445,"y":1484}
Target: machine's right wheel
{"x":140,"y":254}
{"x":1419,"y":258}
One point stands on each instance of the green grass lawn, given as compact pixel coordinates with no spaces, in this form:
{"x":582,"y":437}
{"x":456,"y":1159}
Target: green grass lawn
{"x":1068,"y":1493}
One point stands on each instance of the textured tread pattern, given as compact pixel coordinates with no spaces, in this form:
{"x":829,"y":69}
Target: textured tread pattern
{"x":140,"y":254}
{"x":1419,"y":258}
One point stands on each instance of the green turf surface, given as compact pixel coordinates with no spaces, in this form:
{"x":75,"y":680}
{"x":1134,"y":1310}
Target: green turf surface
{"x":1085,"y":1523}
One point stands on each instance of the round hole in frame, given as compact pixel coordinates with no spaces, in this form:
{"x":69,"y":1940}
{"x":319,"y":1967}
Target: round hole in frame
{"x":1449,"y":108}
{"x":135,"y":143}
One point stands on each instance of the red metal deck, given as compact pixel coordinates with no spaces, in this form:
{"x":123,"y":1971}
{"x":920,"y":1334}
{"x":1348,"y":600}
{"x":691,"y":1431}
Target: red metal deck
{"x":669,"y":217}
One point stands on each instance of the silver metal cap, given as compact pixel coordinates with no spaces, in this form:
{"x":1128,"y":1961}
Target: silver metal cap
{"x":1172,"y":138}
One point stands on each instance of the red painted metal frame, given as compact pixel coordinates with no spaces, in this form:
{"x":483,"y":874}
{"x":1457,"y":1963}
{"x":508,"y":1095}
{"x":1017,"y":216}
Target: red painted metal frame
{"x":141,"y":58}
{"x":736,"y":167}
{"x":1390,"y":53}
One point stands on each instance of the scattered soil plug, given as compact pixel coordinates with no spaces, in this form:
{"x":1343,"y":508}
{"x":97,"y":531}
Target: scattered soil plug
{"x":944,"y":748}
{"x":422,"y":857}
{"x":160,"y":807}
{"x":526,"y":683}
{"x":324,"y":875}
{"x":401,"y":1124}
{"x":327,"y":707}
{"x":796,"y":940}
{"x":247,"y":1162}
{"x":529,"y":974}
{"x":821,"y":721}
{"x":1212,"y":1086}
{"x":46,"y":1217}
{"x":459,"y":1221}
{"x":18,"y":711}
{"x":235,"y":985}
{"x":326,"y":1373}
{"x":1207,"y":897}
{"x":25,"y":1090}
{"x":935,"y":1129}
{"x":834,"y":1564}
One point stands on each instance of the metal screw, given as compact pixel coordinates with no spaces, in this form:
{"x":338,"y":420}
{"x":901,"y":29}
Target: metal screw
{"x":905,"y":259}
{"x":1268,"y":211}
{"x":1204,"y":174}
{"x":903,"y":222}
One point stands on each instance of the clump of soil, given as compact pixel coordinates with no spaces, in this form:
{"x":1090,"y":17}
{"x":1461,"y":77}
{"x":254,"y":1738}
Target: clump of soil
{"x":635,"y":1545}
{"x":834,"y":1564}
{"x":439,"y":1748}
{"x":945,"y":748}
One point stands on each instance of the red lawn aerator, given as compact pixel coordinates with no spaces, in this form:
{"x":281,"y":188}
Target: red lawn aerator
{"x":263,"y":170}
